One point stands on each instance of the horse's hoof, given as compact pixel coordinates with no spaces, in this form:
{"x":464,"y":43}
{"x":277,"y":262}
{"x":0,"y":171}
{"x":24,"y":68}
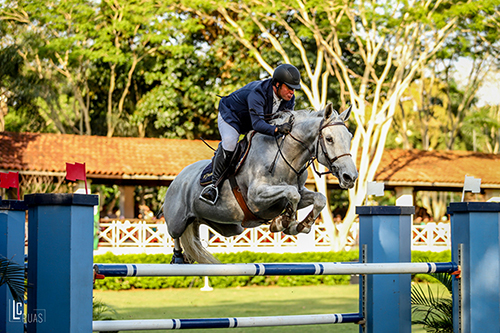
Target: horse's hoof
{"x":304,"y":228}
{"x":178,"y":258}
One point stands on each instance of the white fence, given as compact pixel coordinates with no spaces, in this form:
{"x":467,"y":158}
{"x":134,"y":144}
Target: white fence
{"x":140,"y":236}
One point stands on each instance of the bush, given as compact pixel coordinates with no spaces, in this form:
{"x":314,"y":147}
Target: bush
{"x":124,"y":283}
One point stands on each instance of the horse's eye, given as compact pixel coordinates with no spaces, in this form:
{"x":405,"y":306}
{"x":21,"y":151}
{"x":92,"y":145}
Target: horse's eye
{"x":329,"y":139}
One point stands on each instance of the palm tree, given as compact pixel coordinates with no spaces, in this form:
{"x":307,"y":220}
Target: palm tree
{"x":434,"y":310}
{"x":12,"y":274}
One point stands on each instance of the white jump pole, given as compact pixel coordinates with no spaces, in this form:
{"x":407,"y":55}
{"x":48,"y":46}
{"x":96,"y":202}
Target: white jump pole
{"x":169,"y":324}
{"x":325,"y":268}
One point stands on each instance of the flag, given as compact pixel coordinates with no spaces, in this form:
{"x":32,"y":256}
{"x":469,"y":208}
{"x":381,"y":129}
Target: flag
{"x":76,"y":171}
{"x":10,"y":179}
{"x":375,"y":188}
{"x":472,"y":184}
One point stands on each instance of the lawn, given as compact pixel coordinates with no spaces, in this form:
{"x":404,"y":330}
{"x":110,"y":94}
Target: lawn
{"x":238,"y":302}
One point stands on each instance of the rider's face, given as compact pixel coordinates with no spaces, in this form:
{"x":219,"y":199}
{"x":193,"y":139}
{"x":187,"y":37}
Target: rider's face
{"x":285,"y":92}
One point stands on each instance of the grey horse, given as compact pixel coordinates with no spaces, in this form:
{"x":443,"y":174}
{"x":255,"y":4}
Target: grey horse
{"x":272,"y":180}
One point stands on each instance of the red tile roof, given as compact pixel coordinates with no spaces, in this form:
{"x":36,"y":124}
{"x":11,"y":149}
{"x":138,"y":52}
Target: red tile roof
{"x":119,"y":158}
{"x":102,"y":155}
{"x":438,"y":167}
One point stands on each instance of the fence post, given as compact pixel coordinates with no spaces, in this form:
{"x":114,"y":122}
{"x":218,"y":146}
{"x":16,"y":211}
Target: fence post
{"x":385,"y":237}
{"x":475,"y":230}
{"x":12,"y":226}
{"x":60,"y":249}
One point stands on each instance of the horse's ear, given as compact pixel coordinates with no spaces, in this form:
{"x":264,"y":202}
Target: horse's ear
{"x":329,"y":111}
{"x":346,"y":114}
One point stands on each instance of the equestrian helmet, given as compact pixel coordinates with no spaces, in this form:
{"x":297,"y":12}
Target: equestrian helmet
{"x":287,"y":74}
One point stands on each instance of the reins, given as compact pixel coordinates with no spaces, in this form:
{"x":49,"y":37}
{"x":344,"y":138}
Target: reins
{"x":313,"y":156}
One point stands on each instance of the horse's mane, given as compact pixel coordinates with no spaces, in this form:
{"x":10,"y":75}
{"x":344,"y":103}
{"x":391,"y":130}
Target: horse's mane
{"x":283,"y":116}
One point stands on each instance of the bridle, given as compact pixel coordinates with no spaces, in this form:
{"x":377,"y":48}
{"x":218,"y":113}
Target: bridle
{"x":313,"y":156}
{"x":321,"y":142}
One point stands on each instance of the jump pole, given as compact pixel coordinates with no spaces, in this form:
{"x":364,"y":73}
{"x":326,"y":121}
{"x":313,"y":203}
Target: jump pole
{"x":60,"y":258}
{"x":12,"y":226}
{"x":475,"y":232}
{"x":318,"y":268}
{"x":385,"y":236}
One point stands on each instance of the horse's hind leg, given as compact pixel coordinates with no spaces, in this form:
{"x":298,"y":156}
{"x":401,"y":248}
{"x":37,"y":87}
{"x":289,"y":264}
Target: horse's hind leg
{"x":177,"y":256}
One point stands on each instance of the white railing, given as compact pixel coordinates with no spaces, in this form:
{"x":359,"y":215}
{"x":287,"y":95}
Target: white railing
{"x":140,"y":236}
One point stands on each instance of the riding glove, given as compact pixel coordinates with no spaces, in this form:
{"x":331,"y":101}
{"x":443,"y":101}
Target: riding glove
{"x":284,"y":128}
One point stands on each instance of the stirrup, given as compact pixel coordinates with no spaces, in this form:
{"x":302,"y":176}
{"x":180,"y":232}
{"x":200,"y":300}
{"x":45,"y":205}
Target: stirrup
{"x":207,"y":200}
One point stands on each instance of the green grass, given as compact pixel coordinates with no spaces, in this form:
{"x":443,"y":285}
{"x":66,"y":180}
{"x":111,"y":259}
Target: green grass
{"x":238,"y":302}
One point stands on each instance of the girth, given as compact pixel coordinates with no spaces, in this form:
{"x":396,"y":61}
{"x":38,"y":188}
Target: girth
{"x":248,"y":215}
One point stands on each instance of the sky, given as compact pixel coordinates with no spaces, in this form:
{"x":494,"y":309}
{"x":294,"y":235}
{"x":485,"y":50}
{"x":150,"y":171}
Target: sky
{"x":490,"y":91}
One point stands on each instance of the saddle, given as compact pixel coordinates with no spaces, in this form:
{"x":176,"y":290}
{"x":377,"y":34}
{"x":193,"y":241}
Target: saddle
{"x":239,"y":156}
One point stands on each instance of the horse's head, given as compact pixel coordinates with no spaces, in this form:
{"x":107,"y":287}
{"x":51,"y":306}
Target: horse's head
{"x":334,"y":145}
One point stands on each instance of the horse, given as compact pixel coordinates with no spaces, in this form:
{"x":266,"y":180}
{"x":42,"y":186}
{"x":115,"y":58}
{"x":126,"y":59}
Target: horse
{"x":272,"y":182}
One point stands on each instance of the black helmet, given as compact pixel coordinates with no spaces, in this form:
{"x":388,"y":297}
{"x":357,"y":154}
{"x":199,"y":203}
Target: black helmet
{"x":287,"y":74}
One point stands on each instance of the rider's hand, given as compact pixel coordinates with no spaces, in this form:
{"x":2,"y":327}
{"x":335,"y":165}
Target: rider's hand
{"x":283,"y":128}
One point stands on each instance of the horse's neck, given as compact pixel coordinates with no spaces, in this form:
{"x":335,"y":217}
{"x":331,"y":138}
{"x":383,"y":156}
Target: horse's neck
{"x":305,"y":134}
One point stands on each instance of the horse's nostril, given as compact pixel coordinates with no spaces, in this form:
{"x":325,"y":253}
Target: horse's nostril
{"x":347,"y":178}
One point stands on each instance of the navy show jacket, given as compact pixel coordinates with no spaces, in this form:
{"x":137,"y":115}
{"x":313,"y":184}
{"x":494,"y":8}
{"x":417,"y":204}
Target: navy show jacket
{"x":248,"y":108}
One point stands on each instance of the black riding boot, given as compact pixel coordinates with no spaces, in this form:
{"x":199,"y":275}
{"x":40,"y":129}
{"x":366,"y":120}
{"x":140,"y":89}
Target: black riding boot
{"x":220,"y":163}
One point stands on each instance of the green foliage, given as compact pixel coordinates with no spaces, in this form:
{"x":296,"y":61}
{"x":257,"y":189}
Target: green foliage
{"x":433,"y":310}
{"x":12,"y":274}
{"x":102,"y":311}
{"x":125,"y":283}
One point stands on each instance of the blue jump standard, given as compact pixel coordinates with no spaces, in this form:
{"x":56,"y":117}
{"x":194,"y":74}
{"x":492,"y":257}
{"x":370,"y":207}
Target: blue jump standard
{"x":326,"y":268}
{"x":12,"y":226}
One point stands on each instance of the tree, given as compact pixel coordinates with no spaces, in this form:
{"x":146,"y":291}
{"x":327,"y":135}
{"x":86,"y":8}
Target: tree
{"x":373,"y":49}
{"x":53,"y":42}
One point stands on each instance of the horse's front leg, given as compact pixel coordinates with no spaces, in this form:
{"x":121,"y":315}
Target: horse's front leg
{"x":283,"y":221}
{"x":263,"y":197}
{"x":308,"y":198}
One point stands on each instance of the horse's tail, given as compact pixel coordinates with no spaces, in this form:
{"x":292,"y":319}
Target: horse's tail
{"x":193,"y":248}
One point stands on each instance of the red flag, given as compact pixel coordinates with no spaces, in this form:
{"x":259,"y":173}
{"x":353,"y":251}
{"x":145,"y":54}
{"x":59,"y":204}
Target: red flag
{"x":76,"y":171}
{"x":10,"y":179}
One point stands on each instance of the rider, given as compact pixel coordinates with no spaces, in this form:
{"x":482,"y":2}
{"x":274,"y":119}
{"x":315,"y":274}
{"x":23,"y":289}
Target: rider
{"x":246,"y":109}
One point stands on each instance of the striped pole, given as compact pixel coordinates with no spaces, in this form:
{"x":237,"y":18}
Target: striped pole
{"x":326,"y":268}
{"x":170,"y":324}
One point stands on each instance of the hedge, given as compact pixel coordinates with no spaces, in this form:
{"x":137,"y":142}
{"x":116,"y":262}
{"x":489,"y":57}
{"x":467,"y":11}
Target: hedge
{"x":124,"y":283}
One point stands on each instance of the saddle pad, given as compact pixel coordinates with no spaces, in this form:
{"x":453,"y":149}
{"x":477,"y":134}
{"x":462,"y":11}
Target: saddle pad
{"x":236,"y":161}
{"x":206,"y":175}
